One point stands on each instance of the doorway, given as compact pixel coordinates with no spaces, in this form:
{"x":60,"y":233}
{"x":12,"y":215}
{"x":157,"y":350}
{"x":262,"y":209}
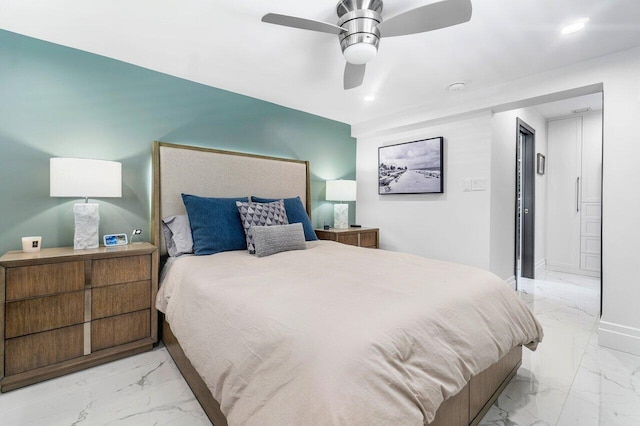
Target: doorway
{"x":524,"y":266}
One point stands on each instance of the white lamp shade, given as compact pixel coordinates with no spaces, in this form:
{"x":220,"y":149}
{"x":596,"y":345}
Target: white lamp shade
{"x":81,"y":177}
{"x":341,"y":190}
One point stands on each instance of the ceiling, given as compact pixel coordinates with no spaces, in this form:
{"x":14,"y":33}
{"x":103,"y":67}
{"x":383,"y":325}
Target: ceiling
{"x":224,"y":44}
{"x":566,"y":107}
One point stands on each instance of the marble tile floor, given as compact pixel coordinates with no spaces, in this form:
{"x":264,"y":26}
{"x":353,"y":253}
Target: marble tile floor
{"x":145,"y":389}
{"x":569,"y":380}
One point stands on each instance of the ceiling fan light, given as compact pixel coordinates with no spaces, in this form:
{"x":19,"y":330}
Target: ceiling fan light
{"x":360,"y":53}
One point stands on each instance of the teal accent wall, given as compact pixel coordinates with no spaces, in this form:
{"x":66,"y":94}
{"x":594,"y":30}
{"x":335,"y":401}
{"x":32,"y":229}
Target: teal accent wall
{"x":61,"y":102}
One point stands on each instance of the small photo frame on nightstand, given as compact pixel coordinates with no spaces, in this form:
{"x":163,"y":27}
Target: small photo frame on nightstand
{"x":111,"y":240}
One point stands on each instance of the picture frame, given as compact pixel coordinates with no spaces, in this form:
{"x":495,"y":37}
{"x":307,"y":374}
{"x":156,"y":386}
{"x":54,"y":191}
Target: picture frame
{"x":111,"y":240}
{"x":540,"y":165}
{"x":415,"y":167}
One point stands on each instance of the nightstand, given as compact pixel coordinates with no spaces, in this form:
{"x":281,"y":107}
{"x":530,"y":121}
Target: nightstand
{"x":64,"y":310}
{"x":361,"y":237}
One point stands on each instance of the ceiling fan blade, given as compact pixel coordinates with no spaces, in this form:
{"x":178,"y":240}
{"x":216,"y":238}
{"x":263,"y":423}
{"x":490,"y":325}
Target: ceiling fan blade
{"x":427,"y":18}
{"x":301,"y":23}
{"x":353,"y":75}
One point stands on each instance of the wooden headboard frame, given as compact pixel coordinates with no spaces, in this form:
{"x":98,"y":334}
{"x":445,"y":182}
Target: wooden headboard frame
{"x":210,"y":172}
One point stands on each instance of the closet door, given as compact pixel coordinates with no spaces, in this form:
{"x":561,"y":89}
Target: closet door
{"x":563,"y":194}
{"x":591,"y":192}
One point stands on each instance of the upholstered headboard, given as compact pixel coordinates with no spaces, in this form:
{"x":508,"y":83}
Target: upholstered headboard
{"x":208,"y":172}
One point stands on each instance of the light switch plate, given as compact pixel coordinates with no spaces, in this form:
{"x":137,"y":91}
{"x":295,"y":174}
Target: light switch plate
{"x":475,"y":185}
{"x":478,"y":185}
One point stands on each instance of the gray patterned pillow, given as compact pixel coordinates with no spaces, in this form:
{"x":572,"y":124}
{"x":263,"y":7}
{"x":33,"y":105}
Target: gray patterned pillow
{"x":260,"y":214}
{"x":275,"y":239}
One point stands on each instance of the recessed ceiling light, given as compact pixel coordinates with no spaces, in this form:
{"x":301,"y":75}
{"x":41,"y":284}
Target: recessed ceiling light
{"x":574,"y":27}
{"x":456,"y":86}
{"x":369,"y":98}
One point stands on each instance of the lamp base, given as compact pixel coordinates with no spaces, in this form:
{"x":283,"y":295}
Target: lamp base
{"x":87,"y":221}
{"x":341,"y":216}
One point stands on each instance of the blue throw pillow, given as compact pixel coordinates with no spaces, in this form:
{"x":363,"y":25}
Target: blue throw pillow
{"x":296,"y":213}
{"x":215,"y":224}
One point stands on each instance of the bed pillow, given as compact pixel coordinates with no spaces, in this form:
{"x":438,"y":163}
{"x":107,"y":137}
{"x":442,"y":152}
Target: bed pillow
{"x":255,"y":215}
{"x":270,"y":240}
{"x":177,"y":235}
{"x":215,"y":224}
{"x":296,"y":213}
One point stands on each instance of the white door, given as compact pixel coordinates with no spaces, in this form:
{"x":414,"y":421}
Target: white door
{"x":563,"y":165}
{"x":590,"y":202}
{"x":592,"y":158}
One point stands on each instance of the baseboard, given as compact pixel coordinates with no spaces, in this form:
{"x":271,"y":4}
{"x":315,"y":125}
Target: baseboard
{"x":540,"y":267}
{"x":511,"y":281}
{"x":619,"y":337}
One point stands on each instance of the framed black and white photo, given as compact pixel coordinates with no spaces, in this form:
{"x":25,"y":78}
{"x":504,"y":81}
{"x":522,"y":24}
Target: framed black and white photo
{"x":540,"y":164}
{"x":411,"y":167}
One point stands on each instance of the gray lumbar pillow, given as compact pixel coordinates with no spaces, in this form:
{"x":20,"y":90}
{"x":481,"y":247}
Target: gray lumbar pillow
{"x":270,"y":240}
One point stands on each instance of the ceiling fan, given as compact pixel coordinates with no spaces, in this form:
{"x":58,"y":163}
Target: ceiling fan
{"x":360,"y":28}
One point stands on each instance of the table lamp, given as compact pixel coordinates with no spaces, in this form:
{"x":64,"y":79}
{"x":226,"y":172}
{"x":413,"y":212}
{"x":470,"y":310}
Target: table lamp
{"x":341,"y":190}
{"x":84,"y":178}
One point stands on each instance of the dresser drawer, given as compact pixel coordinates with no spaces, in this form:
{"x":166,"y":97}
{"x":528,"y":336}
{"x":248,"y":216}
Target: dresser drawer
{"x":113,"y":331}
{"x":120,"y":270}
{"x":41,"y":349}
{"x":40,"y":280}
{"x":120,"y":299}
{"x":361,"y":237}
{"x":350,"y":239}
{"x":43,"y":313}
{"x":369,"y":239}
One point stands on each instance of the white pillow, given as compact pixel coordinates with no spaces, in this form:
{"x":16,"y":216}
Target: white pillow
{"x":177,"y":235}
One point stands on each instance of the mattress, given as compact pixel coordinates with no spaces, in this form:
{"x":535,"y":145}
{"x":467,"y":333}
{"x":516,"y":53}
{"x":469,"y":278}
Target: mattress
{"x":339,"y":335}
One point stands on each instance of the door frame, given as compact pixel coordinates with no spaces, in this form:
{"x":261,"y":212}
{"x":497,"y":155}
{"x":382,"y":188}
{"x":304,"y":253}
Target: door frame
{"x":527,"y":264}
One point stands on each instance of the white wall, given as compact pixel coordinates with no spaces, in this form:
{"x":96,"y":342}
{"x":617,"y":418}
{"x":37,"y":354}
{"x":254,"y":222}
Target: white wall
{"x":475,"y":228}
{"x":452,"y":226}
{"x":503,"y":177}
{"x":618,"y":75}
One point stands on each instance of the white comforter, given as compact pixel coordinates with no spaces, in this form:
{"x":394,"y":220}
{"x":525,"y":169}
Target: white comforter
{"x":339,"y":335}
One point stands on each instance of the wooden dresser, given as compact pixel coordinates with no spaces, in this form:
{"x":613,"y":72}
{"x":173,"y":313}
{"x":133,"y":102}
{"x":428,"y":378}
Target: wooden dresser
{"x":361,"y":237}
{"x":64,"y":310}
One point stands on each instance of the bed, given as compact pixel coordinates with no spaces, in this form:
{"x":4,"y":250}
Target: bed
{"x":332,"y":334}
